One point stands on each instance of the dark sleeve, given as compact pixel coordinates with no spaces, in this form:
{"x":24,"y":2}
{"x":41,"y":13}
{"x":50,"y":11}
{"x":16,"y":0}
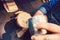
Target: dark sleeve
{"x":47,"y":6}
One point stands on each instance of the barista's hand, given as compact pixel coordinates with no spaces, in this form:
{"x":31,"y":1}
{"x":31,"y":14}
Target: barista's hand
{"x":45,"y":25}
{"x":46,"y":37}
{"x":38,"y":37}
{"x":55,"y":29}
{"x":18,"y":12}
{"x":22,"y":19}
{"x":49,"y":26}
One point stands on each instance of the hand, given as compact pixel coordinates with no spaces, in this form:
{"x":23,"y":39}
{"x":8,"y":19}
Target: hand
{"x":22,"y":19}
{"x":37,"y":37}
{"x":46,"y":37}
{"x":45,"y":25}
{"x":49,"y":26}
{"x":39,"y":18}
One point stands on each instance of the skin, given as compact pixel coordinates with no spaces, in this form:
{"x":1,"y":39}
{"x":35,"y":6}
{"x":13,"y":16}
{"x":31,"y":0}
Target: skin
{"x":48,"y":26}
{"x":46,"y":37}
{"x":54,"y":28}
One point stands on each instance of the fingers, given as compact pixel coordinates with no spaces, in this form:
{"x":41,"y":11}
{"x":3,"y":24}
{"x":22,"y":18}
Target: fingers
{"x":19,"y":12}
{"x":50,"y":27}
{"x":38,"y":20}
{"x":52,"y":37}
{"x":46,"y":37}
{"x":53,"y":28}
{"x":43,"y":24}
{"x":22,"y":19}
{"x":37,"y":37}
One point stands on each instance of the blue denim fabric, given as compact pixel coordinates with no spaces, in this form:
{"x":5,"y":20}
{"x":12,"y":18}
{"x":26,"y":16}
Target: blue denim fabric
{"x":47,"y":6}
{"x":43,"y":9}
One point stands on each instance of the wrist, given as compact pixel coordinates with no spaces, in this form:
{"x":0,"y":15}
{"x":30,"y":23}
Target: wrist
{"x":39,"y":13}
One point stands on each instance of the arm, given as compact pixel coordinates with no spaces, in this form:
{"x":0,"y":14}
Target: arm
{"x":45,"y":7}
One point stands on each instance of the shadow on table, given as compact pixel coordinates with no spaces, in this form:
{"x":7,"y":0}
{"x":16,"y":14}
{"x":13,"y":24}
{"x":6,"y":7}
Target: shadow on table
{"x":10,"y":28}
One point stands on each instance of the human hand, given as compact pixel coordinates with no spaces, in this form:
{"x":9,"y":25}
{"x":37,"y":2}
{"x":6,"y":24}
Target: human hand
{"x":38,"y":19}
{"x":22,"y":19}
{"x":46,"y":37}
{"x":50,"y":27}
{"x":43,"y":24}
